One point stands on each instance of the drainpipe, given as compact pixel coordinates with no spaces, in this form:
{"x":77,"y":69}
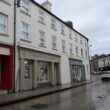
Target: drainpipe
{"x":16,"y":4}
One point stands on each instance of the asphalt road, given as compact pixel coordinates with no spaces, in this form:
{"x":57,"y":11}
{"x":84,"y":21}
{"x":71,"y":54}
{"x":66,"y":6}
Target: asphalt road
{"x":95,"y":96}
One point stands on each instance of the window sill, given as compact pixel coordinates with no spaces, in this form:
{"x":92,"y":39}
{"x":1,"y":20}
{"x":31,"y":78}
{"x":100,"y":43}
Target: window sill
{"x":40,"y":45}
{"x":55,"y":49}
{"x":41,"y":22}
{"x":3,"y":34}
{"x":6,"y":2}
{"x":25,"y":13}
{"x":53,"y":28}
{"x":25,"y":40}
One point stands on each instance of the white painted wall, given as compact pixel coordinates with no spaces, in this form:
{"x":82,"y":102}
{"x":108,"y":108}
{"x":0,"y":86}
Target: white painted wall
{"x":7,"y":9}
{"x":35,"y":26}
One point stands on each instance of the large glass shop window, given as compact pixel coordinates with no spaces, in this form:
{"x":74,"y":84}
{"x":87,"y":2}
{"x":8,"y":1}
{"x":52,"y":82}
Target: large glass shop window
{"x":43,"y":71}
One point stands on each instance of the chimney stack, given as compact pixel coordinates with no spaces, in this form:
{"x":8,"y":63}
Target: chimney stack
{"x":69,"y":23}
{"x":47,"y":5}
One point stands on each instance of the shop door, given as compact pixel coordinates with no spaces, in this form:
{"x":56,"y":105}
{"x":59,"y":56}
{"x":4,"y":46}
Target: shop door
{"x":28,"y":76}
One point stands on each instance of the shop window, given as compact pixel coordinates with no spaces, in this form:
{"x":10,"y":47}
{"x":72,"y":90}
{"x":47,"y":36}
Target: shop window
{"x":43,"y":72}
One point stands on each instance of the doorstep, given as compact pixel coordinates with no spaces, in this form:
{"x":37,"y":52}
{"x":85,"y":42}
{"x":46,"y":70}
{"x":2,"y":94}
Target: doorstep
{"x":6,"y":99}
{"x":3,"y":92}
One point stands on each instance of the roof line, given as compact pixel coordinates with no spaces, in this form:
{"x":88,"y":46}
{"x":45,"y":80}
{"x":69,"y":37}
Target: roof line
{"x":57,"y":18}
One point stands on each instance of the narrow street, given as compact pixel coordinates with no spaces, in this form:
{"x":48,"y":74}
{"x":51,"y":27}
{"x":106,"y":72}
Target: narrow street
{"x":95,"y":96}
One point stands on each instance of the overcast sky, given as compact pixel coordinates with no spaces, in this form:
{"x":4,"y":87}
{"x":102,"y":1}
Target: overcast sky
{"x":90,"y":17}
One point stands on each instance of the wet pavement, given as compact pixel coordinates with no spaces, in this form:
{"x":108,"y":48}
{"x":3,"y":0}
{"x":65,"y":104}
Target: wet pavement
{"x":95,"y":96}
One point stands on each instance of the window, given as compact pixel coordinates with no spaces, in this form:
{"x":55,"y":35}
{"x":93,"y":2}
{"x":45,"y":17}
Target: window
{"x":76,"y":50}
{"x":70,"y":36}
{"x":82,"y":52}
{"x":81,"y":40}
{"x":42,"y":37}
{"x":25,"y":31}
{"x":86,"y":54}
{"x":41,"y":16}
{"x":63,"y":45}
{"x":53,"y":23}
{"x":76,"y":38}
{"x":71,"y":48}
{"x":25,"y":6}
{"x":54,"y":42}
{"x":3,"y":23}
{"x":62,"y":30}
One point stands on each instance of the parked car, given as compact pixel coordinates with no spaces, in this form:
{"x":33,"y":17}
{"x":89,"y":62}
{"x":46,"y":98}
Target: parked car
{"x":105,"y":76}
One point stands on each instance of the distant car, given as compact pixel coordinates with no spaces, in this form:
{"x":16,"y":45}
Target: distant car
{"x":96,"y":72}
{"x":105,"y":76}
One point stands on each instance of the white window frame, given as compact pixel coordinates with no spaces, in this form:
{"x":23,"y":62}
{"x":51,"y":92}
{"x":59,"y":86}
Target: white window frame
{"x":4,"y":26}
{"x":70,"y":34}
{"x":71,"y":48}
{"x":54,"y":44}
{"x":41,"y":16}
{"x":25,"y":6}
{"x":62,"y":29}
{"x":63,"y":46}
{"x":25,"y":31}
{"x":77,"y":50}
{"x":42,"y":37}
{"x":82,"y":54}
{"x":53,"y":23}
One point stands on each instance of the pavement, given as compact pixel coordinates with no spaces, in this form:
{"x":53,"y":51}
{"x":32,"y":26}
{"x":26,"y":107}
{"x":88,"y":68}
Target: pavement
{"x":6,"y":99}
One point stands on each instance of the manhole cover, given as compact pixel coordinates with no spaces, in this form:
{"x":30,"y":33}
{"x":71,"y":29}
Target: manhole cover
{"x":39,"y":106}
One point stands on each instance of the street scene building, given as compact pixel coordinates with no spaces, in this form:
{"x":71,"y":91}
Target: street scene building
{"x":48,"y":51}
{"x":6,"y":44}
{"x":100,"y":62}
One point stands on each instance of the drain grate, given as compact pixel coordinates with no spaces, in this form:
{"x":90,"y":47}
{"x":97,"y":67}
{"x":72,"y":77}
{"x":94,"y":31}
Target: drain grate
{"x":39,"y":106}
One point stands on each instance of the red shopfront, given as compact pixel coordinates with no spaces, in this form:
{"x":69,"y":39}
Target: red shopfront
{"x":6,"y":67}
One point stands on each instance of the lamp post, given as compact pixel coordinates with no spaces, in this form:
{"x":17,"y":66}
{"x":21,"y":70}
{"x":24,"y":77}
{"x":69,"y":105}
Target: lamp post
{"x":89,"y":60}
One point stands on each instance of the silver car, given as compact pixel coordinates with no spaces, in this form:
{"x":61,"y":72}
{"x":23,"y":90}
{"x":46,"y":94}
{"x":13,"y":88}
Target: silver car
{"x":105,"y":76}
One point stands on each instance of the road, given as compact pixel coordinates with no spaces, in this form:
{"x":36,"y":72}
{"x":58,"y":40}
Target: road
{"x":95,"y":96}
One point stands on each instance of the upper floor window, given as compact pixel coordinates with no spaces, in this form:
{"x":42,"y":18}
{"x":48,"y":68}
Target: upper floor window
{"x":76,"y":50}
{"x":63,"y":45}
{"x":54,"y":42}
{"x":86,"y":54}
{"x":71,"y":48}
{"x":25,"y":31}
{"x":25,"y":5}
{"x":41,"y":16}
{"x":82,"y":52}
{"x":81,"y":40}
{"x":42,"y":37}
{"x":70,"y":35}
{"x":3,"y":23}
{"x":53,"y":23}
{"x":62,"y":29}
{"x":76,"y":37}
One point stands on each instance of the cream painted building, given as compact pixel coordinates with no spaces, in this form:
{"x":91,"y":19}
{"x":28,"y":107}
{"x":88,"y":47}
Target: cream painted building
{"x":49,"y":51}
{"x":6,"y":44}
